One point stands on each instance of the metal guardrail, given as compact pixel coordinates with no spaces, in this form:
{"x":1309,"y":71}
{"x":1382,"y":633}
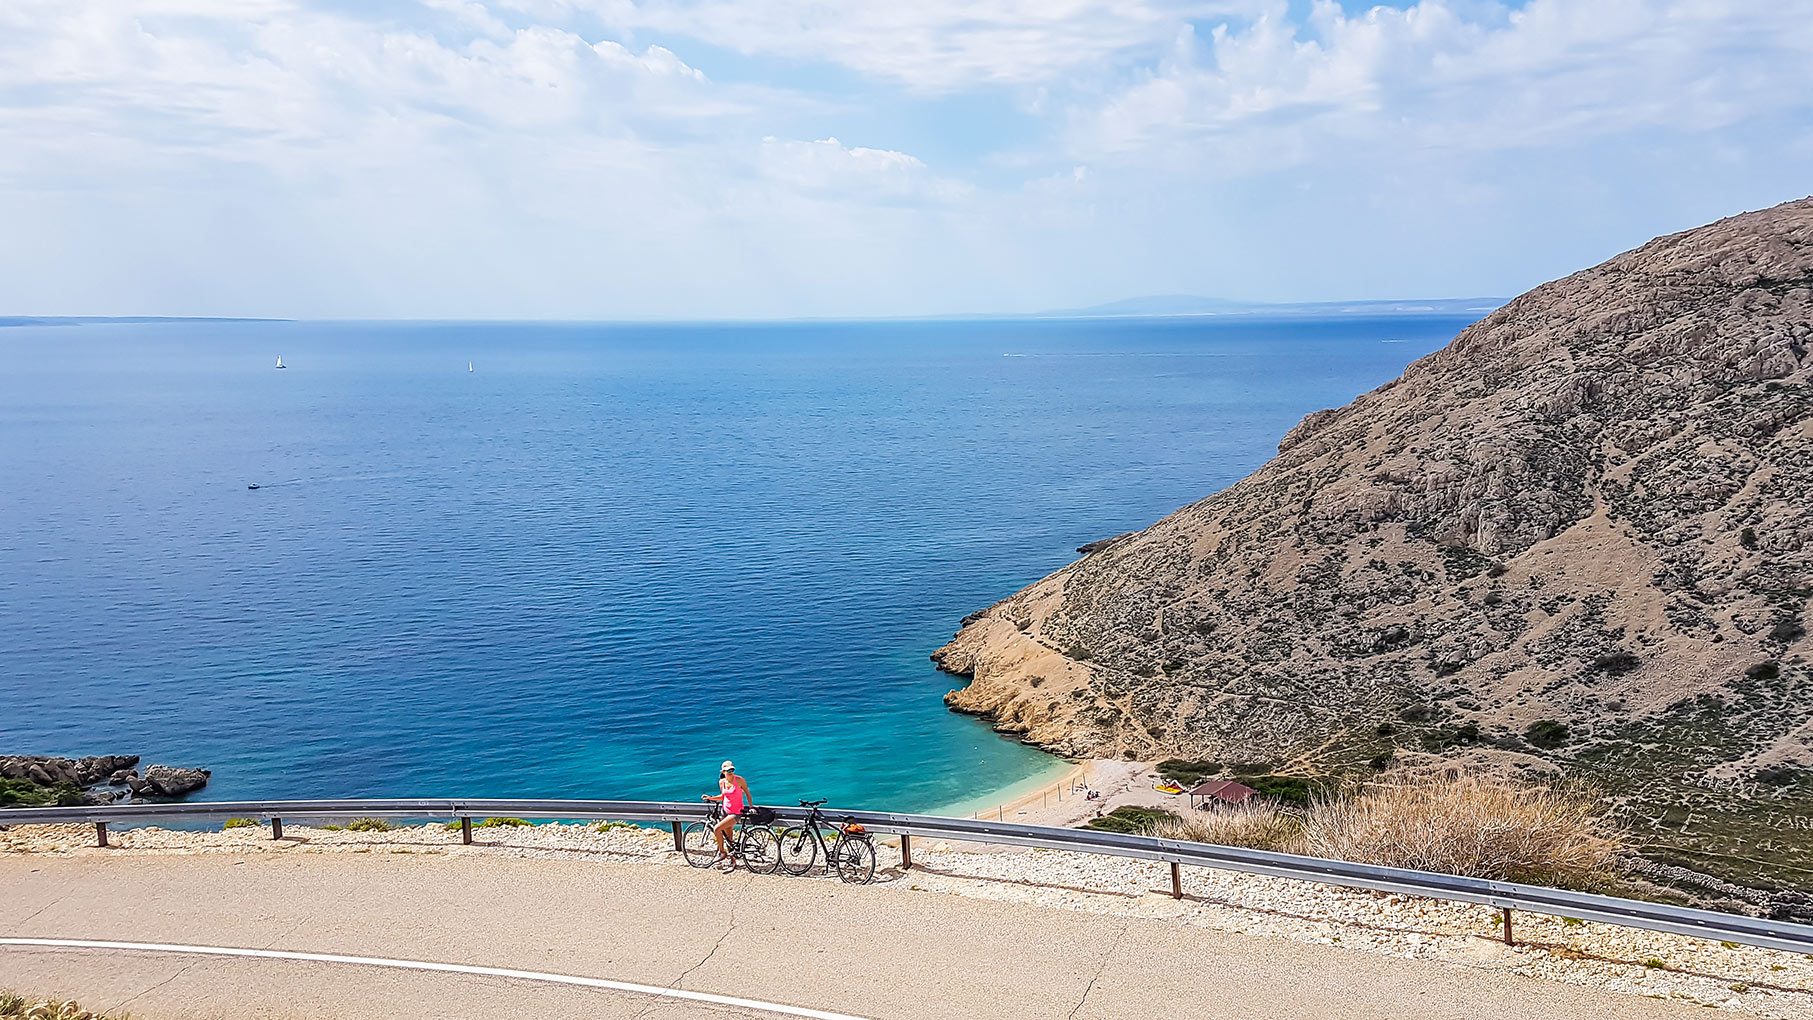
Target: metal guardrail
{"x":1505,"y":896}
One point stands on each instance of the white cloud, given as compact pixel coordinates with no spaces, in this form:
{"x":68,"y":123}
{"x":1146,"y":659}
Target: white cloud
{"x":1552,"y":73}
{"x":929,"y":46}
{"x":607,"y":158}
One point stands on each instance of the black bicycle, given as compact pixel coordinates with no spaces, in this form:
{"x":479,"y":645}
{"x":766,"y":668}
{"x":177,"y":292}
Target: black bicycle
{"x":752,"y":843}
{"x":850,"y":851}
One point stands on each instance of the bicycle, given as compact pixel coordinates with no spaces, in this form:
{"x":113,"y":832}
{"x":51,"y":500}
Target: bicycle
{"x":751,"y":842}
{"x":850,"y":852}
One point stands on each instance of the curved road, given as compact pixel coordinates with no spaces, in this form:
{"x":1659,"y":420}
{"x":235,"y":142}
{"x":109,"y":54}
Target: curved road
{"x":870,"y":952}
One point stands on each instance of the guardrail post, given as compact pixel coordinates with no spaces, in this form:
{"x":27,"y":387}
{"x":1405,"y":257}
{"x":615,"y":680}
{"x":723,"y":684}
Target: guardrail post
{"x":276,"y":827}
{"x":679,"y":847}
{"x":466,"y":829}
{"x":1176,"y":881}
{"x":906,"y":852}
{"x":100,"y":834}
{"x":1508,"y":941}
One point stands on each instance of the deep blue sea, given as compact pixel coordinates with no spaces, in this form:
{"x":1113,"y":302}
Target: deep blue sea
{"x":605,"y":558}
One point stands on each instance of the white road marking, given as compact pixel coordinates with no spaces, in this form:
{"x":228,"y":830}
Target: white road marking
{"x":450,"y":968}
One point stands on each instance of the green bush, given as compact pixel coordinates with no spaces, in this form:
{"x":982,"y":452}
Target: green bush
{"x":1747,"y":538}
{"x":1764,"y":671}
{"x":1617,"y":662}
{"x":1184,"y":772}
{"x":1546,"y":734}
{"x":240,"y":823}
{"x":1129,"y":819}
{"x":1450,"y":736}
{"x":1288,"y":789}
{"x":495,"y":823}
{"x":25,"y":793}
{"x":613,"y":826}
{"x":369,"y":825}
{"x":1787,"y":632}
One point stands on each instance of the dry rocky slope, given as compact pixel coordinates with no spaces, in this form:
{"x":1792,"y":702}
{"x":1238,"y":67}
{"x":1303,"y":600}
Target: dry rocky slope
{"x":1590,"y":509}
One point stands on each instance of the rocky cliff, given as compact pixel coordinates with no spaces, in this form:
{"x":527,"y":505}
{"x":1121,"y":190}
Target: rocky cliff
{"x":1577,"y":537}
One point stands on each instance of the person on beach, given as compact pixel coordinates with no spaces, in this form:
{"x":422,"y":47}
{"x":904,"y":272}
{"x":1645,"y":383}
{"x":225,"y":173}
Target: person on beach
{"x":734,"y":794}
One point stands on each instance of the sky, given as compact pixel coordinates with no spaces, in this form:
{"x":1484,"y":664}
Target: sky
{"x":684,"y":159}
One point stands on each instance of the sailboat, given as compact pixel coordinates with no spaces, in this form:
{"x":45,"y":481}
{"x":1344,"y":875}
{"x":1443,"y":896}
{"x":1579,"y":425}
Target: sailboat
{"x":280,"y":363}
{"x":468,"y":366}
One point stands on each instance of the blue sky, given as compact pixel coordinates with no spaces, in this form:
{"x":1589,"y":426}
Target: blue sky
{"x":757,"y":158}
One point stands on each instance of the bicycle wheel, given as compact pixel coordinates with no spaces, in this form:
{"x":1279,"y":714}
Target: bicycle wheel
{"x":697,"y":846}
{"x":855,"y":860}
{"x":761,"y":850}
{"x":798,"y":850}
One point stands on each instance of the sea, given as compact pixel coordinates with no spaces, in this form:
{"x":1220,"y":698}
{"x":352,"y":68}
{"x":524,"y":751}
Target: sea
{"x":465,"y":559}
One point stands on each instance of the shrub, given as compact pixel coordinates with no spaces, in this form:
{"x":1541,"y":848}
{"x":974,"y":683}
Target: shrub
{"x":1385,"y":729}
{"x":1451,"y":736}
{"x":1381,"y":761}
{"x":1497,"y":570}
{"x":1616,"y":662}
{"x":1546,"y":734}
{"x":1187,"y":773}
{"x":25,"y":793}
{"x":239,"y":823}
{"x":1253,"y":824}
{"x":494,"y":823}
{"x":1764,"y":671}
{"x":1078,"y":652}
{"x":1747,"y":538}
{"x":1139,"y":820}
{"x":1787,"y":632}
{"x":369,"y":825}
{"x":1464,"y":824}
{"x":613,"y":826}
{"x":1288,"y":789}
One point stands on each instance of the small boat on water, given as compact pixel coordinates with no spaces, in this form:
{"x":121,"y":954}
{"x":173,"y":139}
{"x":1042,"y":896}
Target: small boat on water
{"x":468,"y":366}
{"x":280,"y":363}
{"x":254,"y":485}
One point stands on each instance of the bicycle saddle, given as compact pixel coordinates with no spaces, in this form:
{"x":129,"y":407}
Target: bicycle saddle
{"x":811,"y":803}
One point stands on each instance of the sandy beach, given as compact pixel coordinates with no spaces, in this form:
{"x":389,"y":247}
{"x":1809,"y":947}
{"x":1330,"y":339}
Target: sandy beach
{"x":1065,"y":803}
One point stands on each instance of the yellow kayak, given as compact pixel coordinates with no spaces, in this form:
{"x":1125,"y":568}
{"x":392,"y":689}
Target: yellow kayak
{"x":1168,"y":788}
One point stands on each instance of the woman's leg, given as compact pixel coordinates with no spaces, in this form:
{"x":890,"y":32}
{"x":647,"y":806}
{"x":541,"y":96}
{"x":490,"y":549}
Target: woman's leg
{"x":721,"y":832}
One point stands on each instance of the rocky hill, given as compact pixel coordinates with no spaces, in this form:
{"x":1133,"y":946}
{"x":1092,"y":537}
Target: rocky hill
{"x":1578,"y":537}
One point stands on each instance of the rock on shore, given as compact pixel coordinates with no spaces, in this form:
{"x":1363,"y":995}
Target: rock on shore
{"x":1580,"y":536}
{"x":119,"y":771}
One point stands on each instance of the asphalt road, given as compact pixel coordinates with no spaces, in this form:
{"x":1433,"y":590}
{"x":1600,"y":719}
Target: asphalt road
{"x":868,"y":952}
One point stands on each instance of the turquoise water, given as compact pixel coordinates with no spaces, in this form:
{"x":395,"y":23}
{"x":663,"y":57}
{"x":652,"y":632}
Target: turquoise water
{"x":605,"y":558}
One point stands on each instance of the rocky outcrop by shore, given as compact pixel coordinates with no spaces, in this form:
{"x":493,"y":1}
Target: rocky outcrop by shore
{"x":1577,"y":538}
{"x":98,"y":779}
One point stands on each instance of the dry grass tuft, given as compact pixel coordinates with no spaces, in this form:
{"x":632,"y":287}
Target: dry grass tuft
{"x":1470,"y":825}
{"x":17,"y":1007}
{"x":1254,"y":824}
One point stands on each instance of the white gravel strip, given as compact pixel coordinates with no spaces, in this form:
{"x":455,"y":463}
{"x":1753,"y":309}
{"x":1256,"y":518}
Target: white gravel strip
{"x":1753,"y":982}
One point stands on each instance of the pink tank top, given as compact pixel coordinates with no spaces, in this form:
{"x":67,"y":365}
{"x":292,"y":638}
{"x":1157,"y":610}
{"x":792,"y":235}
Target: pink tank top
{"x":733,"y":796}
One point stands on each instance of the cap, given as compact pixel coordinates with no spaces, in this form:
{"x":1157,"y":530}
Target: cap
{"x":727,"y":767}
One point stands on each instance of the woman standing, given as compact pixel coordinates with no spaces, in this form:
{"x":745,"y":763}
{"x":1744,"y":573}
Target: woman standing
{"x":734,"y":793}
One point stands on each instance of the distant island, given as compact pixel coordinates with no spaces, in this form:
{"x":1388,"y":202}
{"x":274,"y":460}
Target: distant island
{"x":1184,"y":304}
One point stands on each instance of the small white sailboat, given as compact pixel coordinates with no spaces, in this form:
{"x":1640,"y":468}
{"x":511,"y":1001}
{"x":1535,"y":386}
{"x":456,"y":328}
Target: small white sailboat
{"x":280,"y":363}
{"x":468,"y":366}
